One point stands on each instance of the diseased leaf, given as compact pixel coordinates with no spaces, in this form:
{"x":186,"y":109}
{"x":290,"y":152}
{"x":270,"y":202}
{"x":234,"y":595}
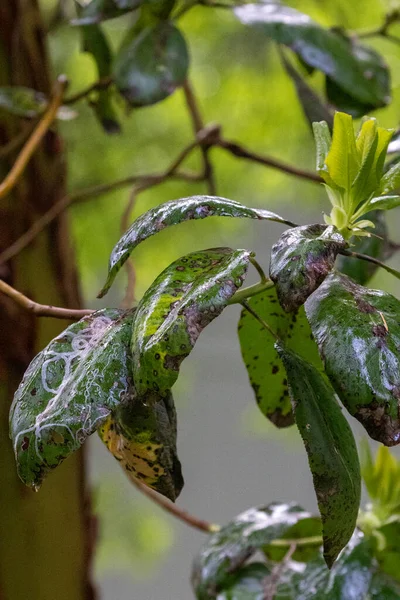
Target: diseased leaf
{"x":248,"y":583}
{"x":265,"y":368}
{"x":69,"y":390}
{"x":358,"y":334}
{"x":172,"y":213}
{"x":300,"y":261}
{"x":331,"y":449}
{"x":141,"y":434}
{"x":153,"y":65}
{"x":25,"y":102}
{"x":358,"y":70}
{"x":349,"y":579}
{"x":180,"y":303}
{"x":95,"y":42}
{"x":376,"y":246}
{"x":225,"y":551}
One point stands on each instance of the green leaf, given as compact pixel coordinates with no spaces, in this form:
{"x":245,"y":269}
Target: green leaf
{"x":389,"y":557}
{"x":323,"y":142}
{"x":359,"y":71}
{"x":25,"y":102}
{"x":225,"y":551}
{"x":141,"y":434}
{"x":153,"y":65}
{"x":342,"y":160}
{"x":97,"y":11}
{"x":68,"y":391}
{"x":305,"y":534}
{"x":391,"y":179}
{"x":358,"y":334}
{"x":375,"y":245}
{"x":349,"y":579}
{"x":343,"y":101}
{"x":95,"y":42}
{"x":248,"y":583}
{"x":265,"y":369}
{"x":384,"y":588}
{"x":300,"y":261}
{"x":313,"y":107}
{"x":382,"y":480}
{"x":172,"y":213}
{"x":184,"y":299}
{"x":331,"y":449}
{"x":384,"y":203}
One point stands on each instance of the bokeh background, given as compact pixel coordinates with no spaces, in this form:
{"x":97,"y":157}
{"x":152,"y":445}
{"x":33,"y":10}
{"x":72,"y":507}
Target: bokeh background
{"x":232,"y":457}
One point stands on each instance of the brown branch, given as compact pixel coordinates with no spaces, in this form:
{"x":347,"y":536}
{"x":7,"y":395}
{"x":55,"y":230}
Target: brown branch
{"x":26,"y":153}
{"x":267,"y":161}
{"x":17,"y":141}
{"x":198,"y":126}
{"x":41,"y":310}
{"x":102,"y":84}
{"x":174,"y":510}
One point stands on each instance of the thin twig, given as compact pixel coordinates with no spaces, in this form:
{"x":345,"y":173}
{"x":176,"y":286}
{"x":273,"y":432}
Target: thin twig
{"x":17,"y":141}
{"x":273,"y":581}
{"x":372,"y":260}
{"x":249,"y":292}
{"x":260,"y":320}
{"x":198,"y":126}
{"x":267,"y":161}
{"x":39,"y":132}
{"x":259,"y":270}
{"x":174,"y":510}
{"x":102,"y":84}
{"x":42,"y":310}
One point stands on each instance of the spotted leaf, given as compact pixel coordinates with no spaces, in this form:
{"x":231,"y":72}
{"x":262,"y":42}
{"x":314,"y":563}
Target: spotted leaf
{"x":265,"y":369}
{"x":69,"y":390}
{"x":331,"y":449}
{"x":183,"y":300}
{"x":358,"y":334}
{"x":141,"y":434}
{"x":172,"y":213}
{"x":300,"y":261}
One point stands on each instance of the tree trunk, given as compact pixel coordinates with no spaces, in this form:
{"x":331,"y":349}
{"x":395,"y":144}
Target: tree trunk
{"x":45,"y":538}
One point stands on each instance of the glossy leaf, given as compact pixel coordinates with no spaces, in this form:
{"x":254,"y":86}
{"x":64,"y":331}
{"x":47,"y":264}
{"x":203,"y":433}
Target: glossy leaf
{"x":96,"y":11}
{"x":331,"y":449}
{"x":376,"y":246}
{"x":384,"y":203}
{"x":306,"y":534}
{"x":358,"y":334}
{"x":248,"y":583}
{"x":68,"y":391}
{"x":28,"y":103}
{"x":300,"y":261}
{"x":180,"y":303}
{"x":95,"y":42}
{"x":173,"y":213}
{"x":227,"y":550}
{"x":265,"y":369}
{"x":391,"y":179}
{"x":141,"y":434}
{"x":153,"y":65}
{"x":359,"y":71}
{"x":349,"y":579}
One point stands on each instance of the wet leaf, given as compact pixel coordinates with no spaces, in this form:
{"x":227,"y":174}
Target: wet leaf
{"x":172,"y":213}
{"x":69,"y":390}
{"x":356,"y":69}
{"x":141,"y":434}
{"x":358,"y":334}
{"x":300,"y":261}
{"x":153,"y":65}
{"x":376,"y":246}
{"x":384,"y":202}
{"x":349,"y":579}
{"x":180,"y":303}
{"x":97,"y":11}
{"x":331,"y":449}
{"x":28,"y":103}
{"x":225,"y":551}
{"x":265,"y":368}
{"x":95,"y":42}
{"x":307,"y":533}
{"x":248,"y":583}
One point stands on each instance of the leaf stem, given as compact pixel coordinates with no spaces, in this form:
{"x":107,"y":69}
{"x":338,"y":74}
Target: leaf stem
{"x":260,"y":320}
{"x":34,"y":140}
{"x":102,"y":84}
{"x":250,"y":291}
{"x":372,"y":260}
{"x":315,"y":540}
{"x":174,"y":510}
{"x":42,"y":310}
{"x":259,"y":269}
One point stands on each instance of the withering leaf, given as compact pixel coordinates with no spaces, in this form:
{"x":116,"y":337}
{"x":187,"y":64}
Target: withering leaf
{"x":173,"y":213}
{"x":141,"y":434}
{"x":358,"y":334}
{"x":300,"y":261}
{"x":68,"y":391}
{"x":227,"y":550}
{"x":181,"y":302}
{"x":331,"y":449}
{"x":265,"y":369}
{"x":152,"y":65}
{"x":356,"y":69}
